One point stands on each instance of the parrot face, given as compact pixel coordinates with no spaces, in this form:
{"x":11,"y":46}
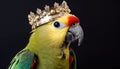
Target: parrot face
{"x":65,"y":29}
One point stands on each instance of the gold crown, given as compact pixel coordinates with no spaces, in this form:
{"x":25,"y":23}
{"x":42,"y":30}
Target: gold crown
{"x":48,"y":14}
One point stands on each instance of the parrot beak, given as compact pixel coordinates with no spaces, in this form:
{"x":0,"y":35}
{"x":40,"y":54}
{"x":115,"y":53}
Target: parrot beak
{"x":75,"y":32}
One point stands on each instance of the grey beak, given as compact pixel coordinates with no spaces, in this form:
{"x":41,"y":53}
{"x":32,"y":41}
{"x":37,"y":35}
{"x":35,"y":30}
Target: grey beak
{"x":75,"y":32}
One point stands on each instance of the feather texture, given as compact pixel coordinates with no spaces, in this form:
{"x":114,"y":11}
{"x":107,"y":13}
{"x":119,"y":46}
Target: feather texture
{"x":23,"y":60}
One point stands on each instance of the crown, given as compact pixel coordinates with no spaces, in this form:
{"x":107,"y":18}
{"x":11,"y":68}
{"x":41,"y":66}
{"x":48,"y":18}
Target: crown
{"x":48,"y":14}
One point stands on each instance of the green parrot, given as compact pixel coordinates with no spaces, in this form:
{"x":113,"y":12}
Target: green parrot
{"x":53,"y":30}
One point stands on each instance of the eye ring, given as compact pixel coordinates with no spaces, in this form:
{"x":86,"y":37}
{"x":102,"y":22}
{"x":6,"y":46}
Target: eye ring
{"x":58,"y":24}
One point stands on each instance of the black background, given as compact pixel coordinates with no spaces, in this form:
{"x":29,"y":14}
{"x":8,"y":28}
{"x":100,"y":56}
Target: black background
{"x":99,"y":19}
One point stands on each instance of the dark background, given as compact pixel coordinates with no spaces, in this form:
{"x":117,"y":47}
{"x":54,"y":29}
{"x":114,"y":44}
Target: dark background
{"x":99,"y":19}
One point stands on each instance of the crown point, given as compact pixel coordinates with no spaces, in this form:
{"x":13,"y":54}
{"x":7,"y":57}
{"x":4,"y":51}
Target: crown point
{"x":64,"y":3}
{"x":38,"y":11}
{"x":32,"y":14}
{"x":56,"y":5}
{"x":31,"y":18}
{"x":47,"y":8}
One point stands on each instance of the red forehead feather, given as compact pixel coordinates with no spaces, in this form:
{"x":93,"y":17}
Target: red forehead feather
{"x":73,"y":19}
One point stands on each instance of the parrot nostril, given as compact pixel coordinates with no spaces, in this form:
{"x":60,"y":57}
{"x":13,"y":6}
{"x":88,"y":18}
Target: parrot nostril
{"x":74,"y":24}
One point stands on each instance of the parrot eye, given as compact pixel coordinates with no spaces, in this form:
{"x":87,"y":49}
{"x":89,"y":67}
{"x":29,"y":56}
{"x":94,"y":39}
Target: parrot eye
{"x":58,"y":24}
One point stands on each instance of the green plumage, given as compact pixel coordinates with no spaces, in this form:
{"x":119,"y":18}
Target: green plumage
{"x":23,"y":60}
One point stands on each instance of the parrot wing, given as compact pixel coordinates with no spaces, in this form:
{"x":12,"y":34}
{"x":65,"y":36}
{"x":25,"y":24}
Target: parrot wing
{"x":25,"y":59}
{"x":72,"y":60}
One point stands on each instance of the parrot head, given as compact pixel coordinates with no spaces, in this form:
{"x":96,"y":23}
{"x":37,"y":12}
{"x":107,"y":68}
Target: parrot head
{"x":55,"y":28}
{"x":64,"y":29}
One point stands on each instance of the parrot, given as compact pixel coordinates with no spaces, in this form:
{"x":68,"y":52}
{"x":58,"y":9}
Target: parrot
{"x":49,"y":43}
